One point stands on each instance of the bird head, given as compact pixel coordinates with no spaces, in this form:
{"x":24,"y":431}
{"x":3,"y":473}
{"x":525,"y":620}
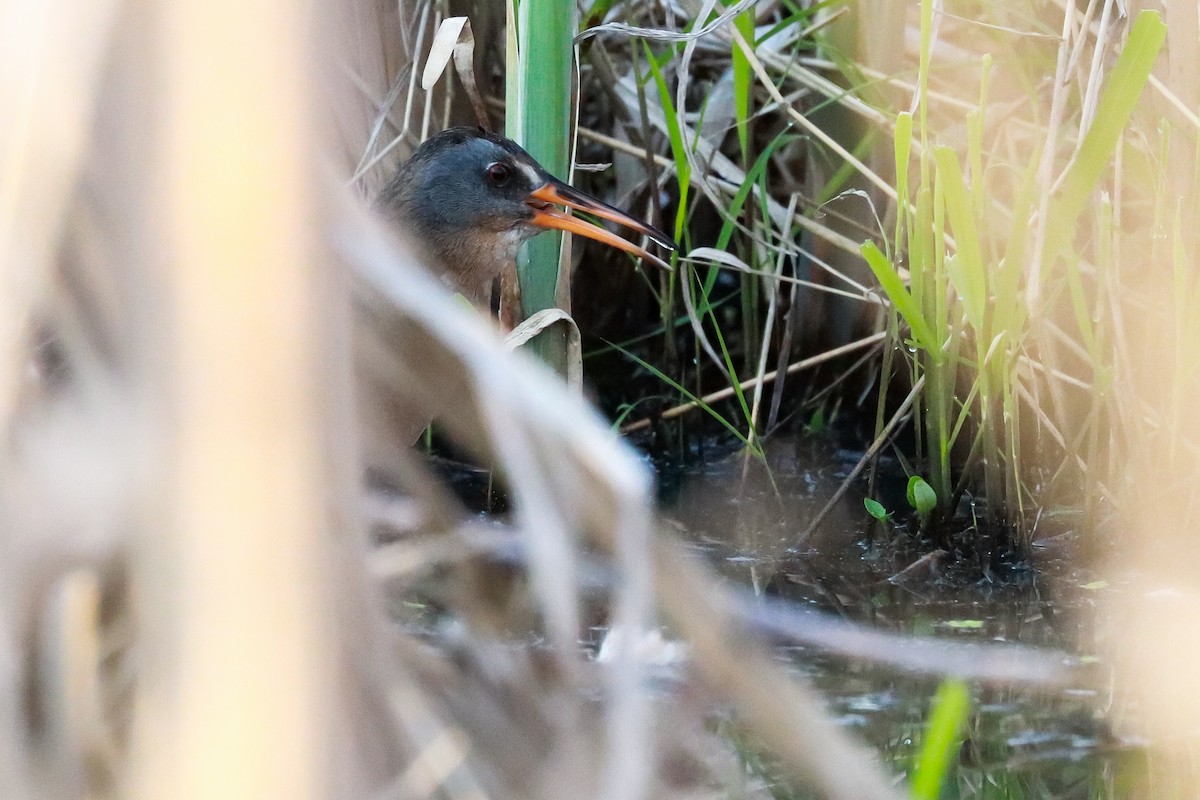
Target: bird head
{"x":472,"y":197}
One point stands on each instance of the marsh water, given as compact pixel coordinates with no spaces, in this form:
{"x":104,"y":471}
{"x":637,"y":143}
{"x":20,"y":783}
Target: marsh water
{"x":751,"y":521}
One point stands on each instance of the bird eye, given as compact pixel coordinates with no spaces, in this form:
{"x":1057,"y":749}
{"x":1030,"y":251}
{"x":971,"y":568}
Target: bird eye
{"x":498,"y":173}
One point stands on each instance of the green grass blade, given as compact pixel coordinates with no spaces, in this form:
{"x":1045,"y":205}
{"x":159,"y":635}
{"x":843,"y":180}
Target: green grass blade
{"x":966,"y":268}
{"x":742,"y":81}
{"x":902,"y":144}
{"x":943,"y":736}
{"x":677,"y":386}
{"x":1125,"y":84}
{"x":903,"y":302}
{"x":683,"y":167}
{"x":753,"y":176}
{"x":1009,"y":309}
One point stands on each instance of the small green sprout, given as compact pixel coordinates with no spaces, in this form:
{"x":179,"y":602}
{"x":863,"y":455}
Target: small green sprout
{"x":921,"y":496}
{"x":876,"y":509}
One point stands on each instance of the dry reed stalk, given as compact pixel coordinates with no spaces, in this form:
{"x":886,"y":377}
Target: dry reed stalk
{"x":586,"y":479}
{"x":183,"y":516}
{"x":63,"y":479}
{"x":1150,"y":635}
{"x":231,"y":567}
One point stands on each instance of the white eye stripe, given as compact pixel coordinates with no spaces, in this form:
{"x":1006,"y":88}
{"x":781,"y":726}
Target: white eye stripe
{"x":531,"y":174}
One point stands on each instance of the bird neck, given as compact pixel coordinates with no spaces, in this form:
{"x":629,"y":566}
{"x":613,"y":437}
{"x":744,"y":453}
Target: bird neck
{"x":468,"y":261}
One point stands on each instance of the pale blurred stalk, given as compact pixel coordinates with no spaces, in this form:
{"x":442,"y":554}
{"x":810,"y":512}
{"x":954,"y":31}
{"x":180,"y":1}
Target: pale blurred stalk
{"x":233,"y":636}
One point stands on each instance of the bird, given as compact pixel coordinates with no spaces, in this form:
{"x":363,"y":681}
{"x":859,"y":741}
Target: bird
{"x":465,"y":201}
{"x":468,"y":198}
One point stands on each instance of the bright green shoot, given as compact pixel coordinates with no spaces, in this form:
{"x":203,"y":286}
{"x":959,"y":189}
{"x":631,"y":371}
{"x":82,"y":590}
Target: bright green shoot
{"x":942,"y":740}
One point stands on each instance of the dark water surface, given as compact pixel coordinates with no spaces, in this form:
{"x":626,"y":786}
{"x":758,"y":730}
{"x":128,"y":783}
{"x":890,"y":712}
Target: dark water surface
{"x":1021,"y":742}
{"x":753,"y":522}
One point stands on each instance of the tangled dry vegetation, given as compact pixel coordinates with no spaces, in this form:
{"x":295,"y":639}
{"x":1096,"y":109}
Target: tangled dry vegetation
{"x":191,"y":606}
{"x":207,"y":341}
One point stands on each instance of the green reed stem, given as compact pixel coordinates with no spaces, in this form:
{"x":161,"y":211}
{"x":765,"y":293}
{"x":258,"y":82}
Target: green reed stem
{"x":541,"y":122}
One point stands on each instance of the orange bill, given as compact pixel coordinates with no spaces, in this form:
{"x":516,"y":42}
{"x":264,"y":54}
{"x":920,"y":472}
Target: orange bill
{"x":556,"y":193}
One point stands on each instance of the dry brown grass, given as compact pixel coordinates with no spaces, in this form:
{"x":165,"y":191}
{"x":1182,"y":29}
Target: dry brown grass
{"x":205,"y":341}
{"x":190,"y":607}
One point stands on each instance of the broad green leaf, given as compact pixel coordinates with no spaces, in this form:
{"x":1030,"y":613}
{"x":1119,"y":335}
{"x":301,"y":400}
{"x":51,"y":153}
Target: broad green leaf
{"x":921,"y":495}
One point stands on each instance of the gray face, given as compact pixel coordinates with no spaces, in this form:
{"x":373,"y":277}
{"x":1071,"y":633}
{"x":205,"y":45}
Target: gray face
{"x":471,"y":184}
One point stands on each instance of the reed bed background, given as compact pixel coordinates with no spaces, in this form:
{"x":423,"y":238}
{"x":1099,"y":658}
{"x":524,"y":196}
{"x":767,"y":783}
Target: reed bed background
{"x":207,"y":340}
{"x":984,"y":155}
